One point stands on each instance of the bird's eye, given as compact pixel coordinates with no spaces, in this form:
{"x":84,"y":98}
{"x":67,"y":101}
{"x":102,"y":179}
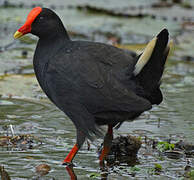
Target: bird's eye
{"x":41,"y":18}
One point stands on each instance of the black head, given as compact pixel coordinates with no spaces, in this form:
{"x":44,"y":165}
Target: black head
{"x":47,"y":23}
{"x":42,"y":22}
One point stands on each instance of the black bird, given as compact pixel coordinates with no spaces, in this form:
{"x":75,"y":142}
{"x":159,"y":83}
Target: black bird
{"x":94,"y":83}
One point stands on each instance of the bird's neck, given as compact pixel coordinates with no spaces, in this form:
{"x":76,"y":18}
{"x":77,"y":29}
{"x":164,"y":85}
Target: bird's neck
{"x":47,"y":48}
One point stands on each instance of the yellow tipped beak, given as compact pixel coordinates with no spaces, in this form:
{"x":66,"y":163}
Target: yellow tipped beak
{"x":17,"y":35}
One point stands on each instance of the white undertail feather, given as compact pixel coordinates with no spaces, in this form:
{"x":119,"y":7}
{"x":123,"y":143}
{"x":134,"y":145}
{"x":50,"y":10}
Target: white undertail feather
{"x":170,"y":44}
{"x":169,"y":48}
{"x":145,"y":56}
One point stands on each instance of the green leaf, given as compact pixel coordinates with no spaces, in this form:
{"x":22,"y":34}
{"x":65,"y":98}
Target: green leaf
{"x":94,"y":175}
{"x":135,"y":168}
{"x":164,"y":146}
{"x":158,"y":167}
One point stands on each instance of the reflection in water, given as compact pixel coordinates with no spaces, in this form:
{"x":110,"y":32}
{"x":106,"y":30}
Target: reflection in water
{"x":73,"y":176}
{"x":71,"y":172}
{"x":111,"y":162}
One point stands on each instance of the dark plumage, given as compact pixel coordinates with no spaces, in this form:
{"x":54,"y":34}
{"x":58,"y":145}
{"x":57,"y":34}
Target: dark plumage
{"x":94,"y":83}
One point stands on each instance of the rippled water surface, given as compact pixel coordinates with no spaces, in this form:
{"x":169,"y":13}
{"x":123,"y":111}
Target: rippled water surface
{"x":41,"y":119}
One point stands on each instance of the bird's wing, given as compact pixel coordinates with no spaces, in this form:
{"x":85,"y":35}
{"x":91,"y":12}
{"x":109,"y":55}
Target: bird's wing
{"x":97,"y":76}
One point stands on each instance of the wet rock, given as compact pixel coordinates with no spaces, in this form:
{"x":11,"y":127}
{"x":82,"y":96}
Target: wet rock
{"x":124,"y":150}
{"x":43,"y":169}
{"x":133,"y":12}
{"x":7,"y":4}
{"x":162,"y":4}
{"x":177,"y":1}
{"x":4,"y":174}
{"x":173,"y":151}
{"x":186,"y":147}
{"x":4,"y":140}
{"x":21,"y":142}
{"x":188,"y":25}
{"x":174,"y":154}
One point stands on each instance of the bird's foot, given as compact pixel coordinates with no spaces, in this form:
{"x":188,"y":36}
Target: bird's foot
{"x":66,"y":163}
{"x":103,"y":167}
{"x":69,"y":158}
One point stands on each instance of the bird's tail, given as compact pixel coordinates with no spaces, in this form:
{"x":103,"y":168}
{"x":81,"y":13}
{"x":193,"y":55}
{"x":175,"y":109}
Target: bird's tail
{"x":150,"y":65}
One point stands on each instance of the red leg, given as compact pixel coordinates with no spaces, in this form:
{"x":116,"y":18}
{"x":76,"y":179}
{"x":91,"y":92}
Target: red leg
{"x":106,"y":145}
{"x":79,"y":142}
{"x":71,"y":173}
{"x":71,"y":154}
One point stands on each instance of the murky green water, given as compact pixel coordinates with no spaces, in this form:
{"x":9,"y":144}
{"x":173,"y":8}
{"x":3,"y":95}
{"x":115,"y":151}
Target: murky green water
{"x":23,"y":105}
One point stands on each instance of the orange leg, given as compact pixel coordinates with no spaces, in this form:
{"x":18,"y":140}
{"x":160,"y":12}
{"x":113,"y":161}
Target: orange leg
{"x":71,"y":154}
{"x":106,"y":145}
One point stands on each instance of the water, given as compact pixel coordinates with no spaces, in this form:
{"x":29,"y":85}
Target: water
{"x":23,"y":105}
{"x":55,"y":130}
